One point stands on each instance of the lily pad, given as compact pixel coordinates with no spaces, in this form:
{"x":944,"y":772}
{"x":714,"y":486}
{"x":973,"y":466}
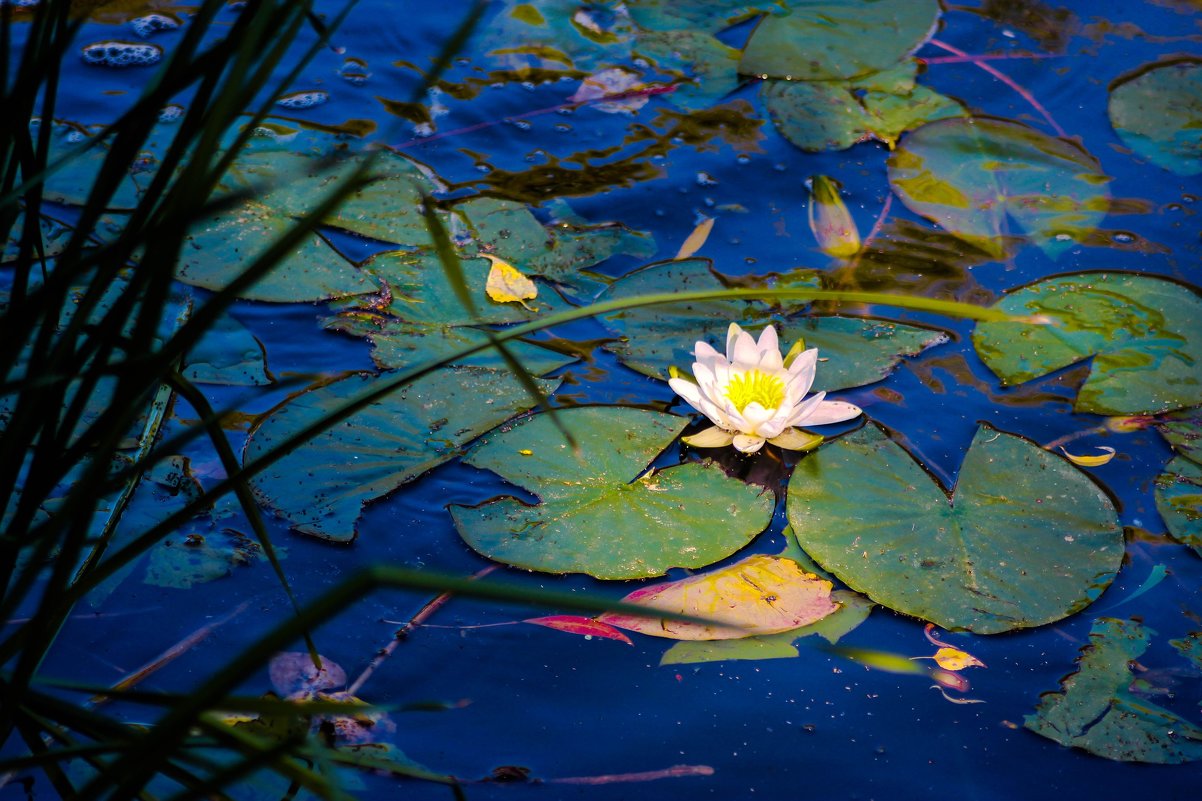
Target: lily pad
{"x":182,"y":562}
{"x":853,"y":610}
{"x":54,"y":237}
{"x":227,"y":354}
{"x":976,"y":176}
{"x":599,"y":512}
{"x":710,"y":16}
{"x":1183,"y":430}
{"x":858,"y":350}
{"x":838,"y":39}
{"x":322,"y":485}
{"x":1179,"y":501}
{"x":834,"y":115}
{"x":1141,"y":331}
{"x":1026,"y":539}
{"x":82,"y":162}
{"x":1095,"y":711}
{"x":1157,"y":112}
{"x":418,"y":317}
{"x":757,"y":595}
{"x":707,"y":69}
{"x":223,"y":247}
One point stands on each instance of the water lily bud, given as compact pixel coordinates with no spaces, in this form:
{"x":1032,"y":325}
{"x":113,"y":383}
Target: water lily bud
{"x":830,"y":220}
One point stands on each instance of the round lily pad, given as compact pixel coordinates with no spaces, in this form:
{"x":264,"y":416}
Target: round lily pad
{"x":322,"y":485}
{"x":599,"y":512}
{"x":977,"y":176}
{"x":1026,"y":538}
{"x":1179,"y":501}
{"x":838,"y":39}
{"x":1183,"y":430}
{"x":1157,"y":112}
{"x":857,"y":350}
{"x":1141,"y":331}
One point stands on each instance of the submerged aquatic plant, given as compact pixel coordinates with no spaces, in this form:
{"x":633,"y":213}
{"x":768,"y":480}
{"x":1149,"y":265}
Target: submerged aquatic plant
{"x":753,"y":395}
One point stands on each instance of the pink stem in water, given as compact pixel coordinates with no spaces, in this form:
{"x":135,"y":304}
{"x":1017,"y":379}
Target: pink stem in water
{"x":1006,"y":79}
{"x":676,"y":771}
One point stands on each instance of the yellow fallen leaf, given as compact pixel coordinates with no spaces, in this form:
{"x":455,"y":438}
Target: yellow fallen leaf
{"x":506,"y":284}
{"x":696,"y":239}
{"x":758,"y":595}
{"x":955,"y":659}
{"x":1090,"y":461}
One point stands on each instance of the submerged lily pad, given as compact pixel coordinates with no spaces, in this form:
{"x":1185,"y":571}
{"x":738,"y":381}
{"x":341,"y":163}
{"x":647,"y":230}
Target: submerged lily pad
{"x":598,"y":512}
{"x":182,"y":562}
{"x":1096,"y":711}
{"x":858,"y":350}
{"x":1141,"y":331}
{"x":1157,"y":112}
{"x":975,"y":176}
{"x":227,"y":354}
{"x":1179,"y":501}
{"x":1026,"y":538}
{"x":838,"y":39}
{"x":322,"y":485}
{"x":834,"y":115}
{"x":418,"y":317}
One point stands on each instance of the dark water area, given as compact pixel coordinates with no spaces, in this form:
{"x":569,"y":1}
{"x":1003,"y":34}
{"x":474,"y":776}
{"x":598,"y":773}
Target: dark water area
{"x":592,"y":710}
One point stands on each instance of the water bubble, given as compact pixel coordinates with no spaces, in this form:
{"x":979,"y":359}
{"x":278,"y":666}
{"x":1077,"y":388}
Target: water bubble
{"x":743,"y":158}
{"x":1123,"y":237}
{"x":303,"y":100}
{"x":122,"y":54}
{"x":354,"y":71}
{"x":171,"y":113}
{"x":151,"y":24}
{"x":705,"y":179}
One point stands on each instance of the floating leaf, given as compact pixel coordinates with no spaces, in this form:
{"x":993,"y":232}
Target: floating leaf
{"x":54,"y":236}
{"x":73,"y":181}
{"x":838,"y":39}
{"x":853,"y":610}
{"x":584,"y":626}
{"x":834,"y":115}
{"x":227,"y":354}
{"x":696,"y":239}
{"x":617,"y":83}
{"x":321,"y":486}
{"x":416,"y":317}
{"x":1095,"y":711}
{"x":954,"y":659}
{"x":757,"y":595}
{"x":1090,"y":461}
{"x":1026,"y":539}
{"x":856,"y":351}
{"x":706,"y":69}
{"x":1183,"y":430}
{"x":711,"y":17}
{"x":293,"y":672}
{"x":1141,"y":331}
{"x":1179,"y":501}
{"x":1190,"y":646}
{"x":183,"y":562}
{"x":1157,"y":112}
{"x":506,"y":285}
{"x":598,"y":513}
{"x":974,"y":176}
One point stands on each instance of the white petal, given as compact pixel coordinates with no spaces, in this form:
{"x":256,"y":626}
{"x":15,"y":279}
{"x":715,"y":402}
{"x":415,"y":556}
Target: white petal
{"x":747,"y":443}
{"x":771,"y":428}
{"x":756,"y":415}
{"x":746,"y":354}
{"x":800,"y":415}
{"x":732,"y":334}
{"x":793,"y":440}
{"x":709,"y":438}
{"x":705,"y":352}
{"x":832,"y":412}
{"x":769,"y":347}
{"x":687,"y":390}
{"x":802,"y":371}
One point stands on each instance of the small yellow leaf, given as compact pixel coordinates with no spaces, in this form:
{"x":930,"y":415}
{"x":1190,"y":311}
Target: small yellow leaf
{"x":1090,"y":461}
{"x":696,"y":239}
{"x":526,"y":452}
{"x":506,"y":284}
{"x":955,"y":659}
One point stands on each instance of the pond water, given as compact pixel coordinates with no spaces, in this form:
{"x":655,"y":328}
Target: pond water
{"x":568,"y":716}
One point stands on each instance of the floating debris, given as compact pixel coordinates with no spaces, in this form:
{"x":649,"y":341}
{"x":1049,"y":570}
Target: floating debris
{"x":302,"y":100}
{"x":122,"y":54}
{"x":151,"y":24}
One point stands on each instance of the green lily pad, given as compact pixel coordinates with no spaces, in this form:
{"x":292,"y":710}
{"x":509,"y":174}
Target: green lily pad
{"x":221,"y":249}
{"x":975,"y":176}
{"x":1183,"y":430}
{"x":227,"y":354}
{"x":706,"y":68}
{"x":853,"y":610}
{"x":1190,"y":646}
{"x":1025,"y":540}
{"x":859,"y":350}
{"x":834,"y":115}
{"x":1179,"y":501}
{"x":710,"y":16}
{"x":183,"y":562}
{"x":598,"y":513}
{"x":1157,"y":112}
{"x":511,"y":232}
{"x":54,"y":237}
{"x":838,"y":39}
{"x":1141,"y":331}
{"x":557,"y":33}
{"x":72,"y":182}
{"x":421,"y":319}
{"x":322,"y":485}
{"x":1095,"y":711}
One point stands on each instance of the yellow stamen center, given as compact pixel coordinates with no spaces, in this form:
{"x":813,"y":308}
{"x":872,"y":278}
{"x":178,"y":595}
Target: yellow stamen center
{"x":755,"y":386}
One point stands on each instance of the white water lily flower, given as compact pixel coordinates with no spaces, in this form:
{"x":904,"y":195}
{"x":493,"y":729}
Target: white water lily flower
{"x":751,"y":397}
